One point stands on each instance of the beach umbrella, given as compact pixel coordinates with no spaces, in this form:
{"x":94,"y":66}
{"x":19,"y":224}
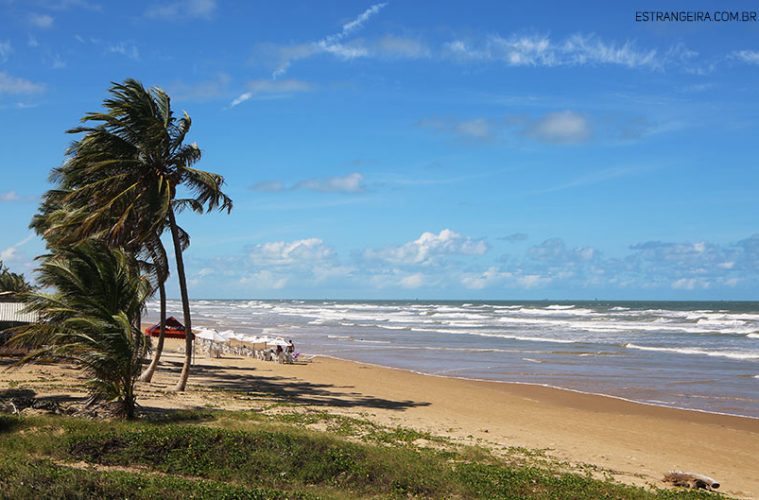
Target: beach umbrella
{"x":212,"y":335}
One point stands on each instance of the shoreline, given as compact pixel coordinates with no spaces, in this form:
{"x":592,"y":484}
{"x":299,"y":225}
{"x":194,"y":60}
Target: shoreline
{"x":535,"y":384}
{"x":632,"y":442}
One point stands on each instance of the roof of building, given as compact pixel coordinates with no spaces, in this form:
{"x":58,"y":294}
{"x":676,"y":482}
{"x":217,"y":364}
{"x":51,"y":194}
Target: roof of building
{"x":13,"y":312}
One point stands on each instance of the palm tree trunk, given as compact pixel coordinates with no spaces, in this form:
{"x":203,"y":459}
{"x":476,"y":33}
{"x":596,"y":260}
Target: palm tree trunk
{"x":189,"y":338}
{"x":147,"y":376}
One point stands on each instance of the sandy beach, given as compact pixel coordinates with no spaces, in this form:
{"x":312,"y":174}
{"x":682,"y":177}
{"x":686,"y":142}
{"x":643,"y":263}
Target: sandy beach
{"x":636,"y":443}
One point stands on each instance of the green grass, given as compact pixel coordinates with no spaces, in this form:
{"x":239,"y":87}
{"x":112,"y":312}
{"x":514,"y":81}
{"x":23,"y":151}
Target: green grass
{"x":213,"y":454}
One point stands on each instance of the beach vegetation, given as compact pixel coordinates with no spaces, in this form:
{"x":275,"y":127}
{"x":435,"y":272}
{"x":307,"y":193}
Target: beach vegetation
{"x":13,"y":282}
{"x":90,"y":318}
{"x":265,"y":460}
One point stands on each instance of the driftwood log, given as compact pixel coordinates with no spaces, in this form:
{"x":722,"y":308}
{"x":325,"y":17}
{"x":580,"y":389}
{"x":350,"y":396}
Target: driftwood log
{"x":691,"y":480}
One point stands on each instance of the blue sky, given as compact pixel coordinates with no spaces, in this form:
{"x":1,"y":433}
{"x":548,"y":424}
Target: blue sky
{"x":418,"y":149}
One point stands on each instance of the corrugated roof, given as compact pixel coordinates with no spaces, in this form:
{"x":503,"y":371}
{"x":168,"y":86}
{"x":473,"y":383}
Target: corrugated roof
{"x":11,"y":311}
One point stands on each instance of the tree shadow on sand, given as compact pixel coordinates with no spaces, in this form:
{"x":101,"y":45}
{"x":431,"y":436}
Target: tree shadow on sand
{"x":288,"y":389}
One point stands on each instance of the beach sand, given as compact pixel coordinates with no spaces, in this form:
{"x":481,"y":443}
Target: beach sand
{"x":637,"y":443}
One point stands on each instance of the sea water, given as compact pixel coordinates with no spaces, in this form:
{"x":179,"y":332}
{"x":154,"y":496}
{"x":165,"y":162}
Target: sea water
{"x":696,"y":355}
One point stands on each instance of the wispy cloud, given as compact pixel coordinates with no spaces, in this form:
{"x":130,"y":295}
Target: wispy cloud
{"x":474,"y":128}
{"x":332,"y":44}
{"x":43,"y":21}
{"x":61,"y":5}
{"x":13,"y":196}
{"x":351,"y":183}
{"x":188,"y":9}
{"x":541,"y":50}
{"x":9,"y":253}
{"x":593,"y":178}
{"x":126,"y":49}
{"x":9,"y":196}
{"x":747,"y":56}
{"x":271,"y":88}
{"x":14,"y":85}
{"x":564,"y":127}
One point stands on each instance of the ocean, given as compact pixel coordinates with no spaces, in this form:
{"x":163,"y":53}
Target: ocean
{"x":695,"y":355}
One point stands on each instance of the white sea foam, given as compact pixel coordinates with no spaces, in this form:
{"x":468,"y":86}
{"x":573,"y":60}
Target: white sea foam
{"x":749,"y":355}
{"x":494,"y":334}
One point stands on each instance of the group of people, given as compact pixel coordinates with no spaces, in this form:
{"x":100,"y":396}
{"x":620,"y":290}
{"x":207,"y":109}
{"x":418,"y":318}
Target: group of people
{"x":286,"y":355}
{"x":265,"y":349}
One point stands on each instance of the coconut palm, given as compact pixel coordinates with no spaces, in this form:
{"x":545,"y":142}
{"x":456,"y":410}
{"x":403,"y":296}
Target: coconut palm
{"x":59,"y":223}
{"x":89,"y":319}
{"x":125,"y":172}
{"x":12,"y":282}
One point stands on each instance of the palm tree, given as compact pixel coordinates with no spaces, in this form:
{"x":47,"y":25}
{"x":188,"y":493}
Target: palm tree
{"x":89,"y":319}
{"x":12,"y":282}
{"x":124,"y":173}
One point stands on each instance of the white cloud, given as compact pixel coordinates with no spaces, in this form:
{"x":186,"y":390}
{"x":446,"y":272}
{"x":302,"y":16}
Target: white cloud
{"x":13,"y":85}
{"x":331,"y":44}
{"x":6,"y":49}
{"x":271,"y":87}
{"x":429,"y":248}
{"x":565,"y":127}
{"x":9,"y":253}
{"x":188,"y":9}
{"x":281,"y":253}
{"x":351,"y":183}
{"x":240,"y":99}
{"x":541,"y":50}
{"x":689,"y":284}
{"x":475,"y":128}
{"x":43,"y":21}
{"x":126,"y":49}
{"x":9,"y":196}
{"x":747,"y":56}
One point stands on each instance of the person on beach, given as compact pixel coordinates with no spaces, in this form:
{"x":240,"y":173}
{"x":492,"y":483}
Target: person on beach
{"x":289,"y":351}
{"x":280,"y":354}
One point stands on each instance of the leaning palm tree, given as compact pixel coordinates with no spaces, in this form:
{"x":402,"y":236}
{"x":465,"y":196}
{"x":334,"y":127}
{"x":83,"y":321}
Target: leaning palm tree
{"x":89,"y":319}
{"x":125,"y":172}
{"x":60,"y":224}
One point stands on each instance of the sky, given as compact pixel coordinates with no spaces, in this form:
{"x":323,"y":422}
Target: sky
{"x":431,"y":150}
